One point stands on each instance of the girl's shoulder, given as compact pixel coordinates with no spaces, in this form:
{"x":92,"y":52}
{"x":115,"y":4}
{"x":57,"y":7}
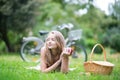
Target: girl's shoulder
{"x":43,"y":51}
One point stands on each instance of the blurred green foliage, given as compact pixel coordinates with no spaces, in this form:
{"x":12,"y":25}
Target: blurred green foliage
{"x":111,"y":38}
{"x":16,"y":17}
{"x":96,"y":25}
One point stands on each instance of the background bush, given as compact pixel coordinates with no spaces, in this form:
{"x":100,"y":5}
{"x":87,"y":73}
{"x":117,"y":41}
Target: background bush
{"x":112,"y":38}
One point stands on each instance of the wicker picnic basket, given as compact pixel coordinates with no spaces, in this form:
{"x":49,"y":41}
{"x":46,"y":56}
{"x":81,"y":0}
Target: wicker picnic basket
{"x":98,"y":67}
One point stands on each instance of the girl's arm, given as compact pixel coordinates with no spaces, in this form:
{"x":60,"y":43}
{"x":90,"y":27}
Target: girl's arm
{"x":65,"y":64}
{"x":65,"y":59}
{"x":43,"y":64}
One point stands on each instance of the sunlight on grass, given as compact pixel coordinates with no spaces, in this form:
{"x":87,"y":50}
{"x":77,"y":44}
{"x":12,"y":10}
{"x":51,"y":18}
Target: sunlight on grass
{"x":13,"y":68}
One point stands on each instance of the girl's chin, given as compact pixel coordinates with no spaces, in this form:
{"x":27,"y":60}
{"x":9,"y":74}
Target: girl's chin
{"x":51,"y":47}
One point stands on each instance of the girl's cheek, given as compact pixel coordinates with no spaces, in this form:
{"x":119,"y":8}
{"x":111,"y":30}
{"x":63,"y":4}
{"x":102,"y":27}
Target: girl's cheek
{"x":53,"y":42}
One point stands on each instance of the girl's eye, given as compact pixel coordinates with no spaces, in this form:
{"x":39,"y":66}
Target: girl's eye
{"x":53,"y":39}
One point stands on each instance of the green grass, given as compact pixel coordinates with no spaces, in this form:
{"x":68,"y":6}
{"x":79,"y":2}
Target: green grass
{"x":13,"y":68}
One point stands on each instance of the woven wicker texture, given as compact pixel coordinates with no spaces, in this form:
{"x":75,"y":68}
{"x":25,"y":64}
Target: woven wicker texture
{"x":98,"y":67}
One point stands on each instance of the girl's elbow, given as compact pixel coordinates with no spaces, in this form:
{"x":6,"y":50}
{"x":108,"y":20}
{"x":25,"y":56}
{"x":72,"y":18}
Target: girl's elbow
{"x":45,"y":71}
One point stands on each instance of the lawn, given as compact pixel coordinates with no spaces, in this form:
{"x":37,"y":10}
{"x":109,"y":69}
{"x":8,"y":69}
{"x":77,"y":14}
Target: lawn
{"x":13,"y":68}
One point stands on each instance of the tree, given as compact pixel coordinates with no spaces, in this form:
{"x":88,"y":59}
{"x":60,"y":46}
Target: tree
{"x":17,"y":16}
{"x":111,"y":27}
{"x":115,"y":9}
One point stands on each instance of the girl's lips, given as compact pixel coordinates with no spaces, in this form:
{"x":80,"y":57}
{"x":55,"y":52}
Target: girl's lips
{"x":49,"y":44}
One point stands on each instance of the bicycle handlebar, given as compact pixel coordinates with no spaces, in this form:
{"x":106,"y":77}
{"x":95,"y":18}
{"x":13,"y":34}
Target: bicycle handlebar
{"x":66,"y":26}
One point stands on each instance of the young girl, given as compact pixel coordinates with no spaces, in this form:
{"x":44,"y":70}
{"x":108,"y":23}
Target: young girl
{"x":54,"y":55}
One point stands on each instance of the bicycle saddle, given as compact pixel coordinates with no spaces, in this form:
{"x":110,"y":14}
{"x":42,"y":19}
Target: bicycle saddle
{"x":43,"y":32}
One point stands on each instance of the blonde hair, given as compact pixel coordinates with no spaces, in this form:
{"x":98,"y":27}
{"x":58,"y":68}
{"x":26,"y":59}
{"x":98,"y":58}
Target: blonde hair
{"x":60,"y":41}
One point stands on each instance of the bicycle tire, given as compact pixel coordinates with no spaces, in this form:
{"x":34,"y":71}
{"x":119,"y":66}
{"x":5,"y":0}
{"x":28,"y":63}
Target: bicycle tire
{"x":80,"y":52}
{"x":26,"y":51}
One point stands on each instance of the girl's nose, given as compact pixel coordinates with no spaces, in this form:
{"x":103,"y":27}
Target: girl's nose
{"x":49,"y":42}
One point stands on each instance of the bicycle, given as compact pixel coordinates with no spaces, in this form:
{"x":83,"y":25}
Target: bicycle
{"x":30,"y":49}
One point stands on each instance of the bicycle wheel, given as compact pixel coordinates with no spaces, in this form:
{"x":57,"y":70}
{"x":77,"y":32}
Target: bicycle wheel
{"x":80,"y":52}
{"x":30,"y":51}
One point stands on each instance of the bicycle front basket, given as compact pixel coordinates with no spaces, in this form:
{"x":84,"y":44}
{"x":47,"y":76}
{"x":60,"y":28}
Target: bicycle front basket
{"x":75,"y":34}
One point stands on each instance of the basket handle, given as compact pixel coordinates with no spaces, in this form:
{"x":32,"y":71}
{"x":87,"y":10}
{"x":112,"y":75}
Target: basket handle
{"x":94,"y":49}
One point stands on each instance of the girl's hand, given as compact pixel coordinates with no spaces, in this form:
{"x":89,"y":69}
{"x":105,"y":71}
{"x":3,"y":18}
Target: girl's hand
{"x":67,"y":51}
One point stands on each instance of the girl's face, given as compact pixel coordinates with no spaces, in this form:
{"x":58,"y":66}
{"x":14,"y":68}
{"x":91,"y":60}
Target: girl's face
{"x":51,"y":42}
